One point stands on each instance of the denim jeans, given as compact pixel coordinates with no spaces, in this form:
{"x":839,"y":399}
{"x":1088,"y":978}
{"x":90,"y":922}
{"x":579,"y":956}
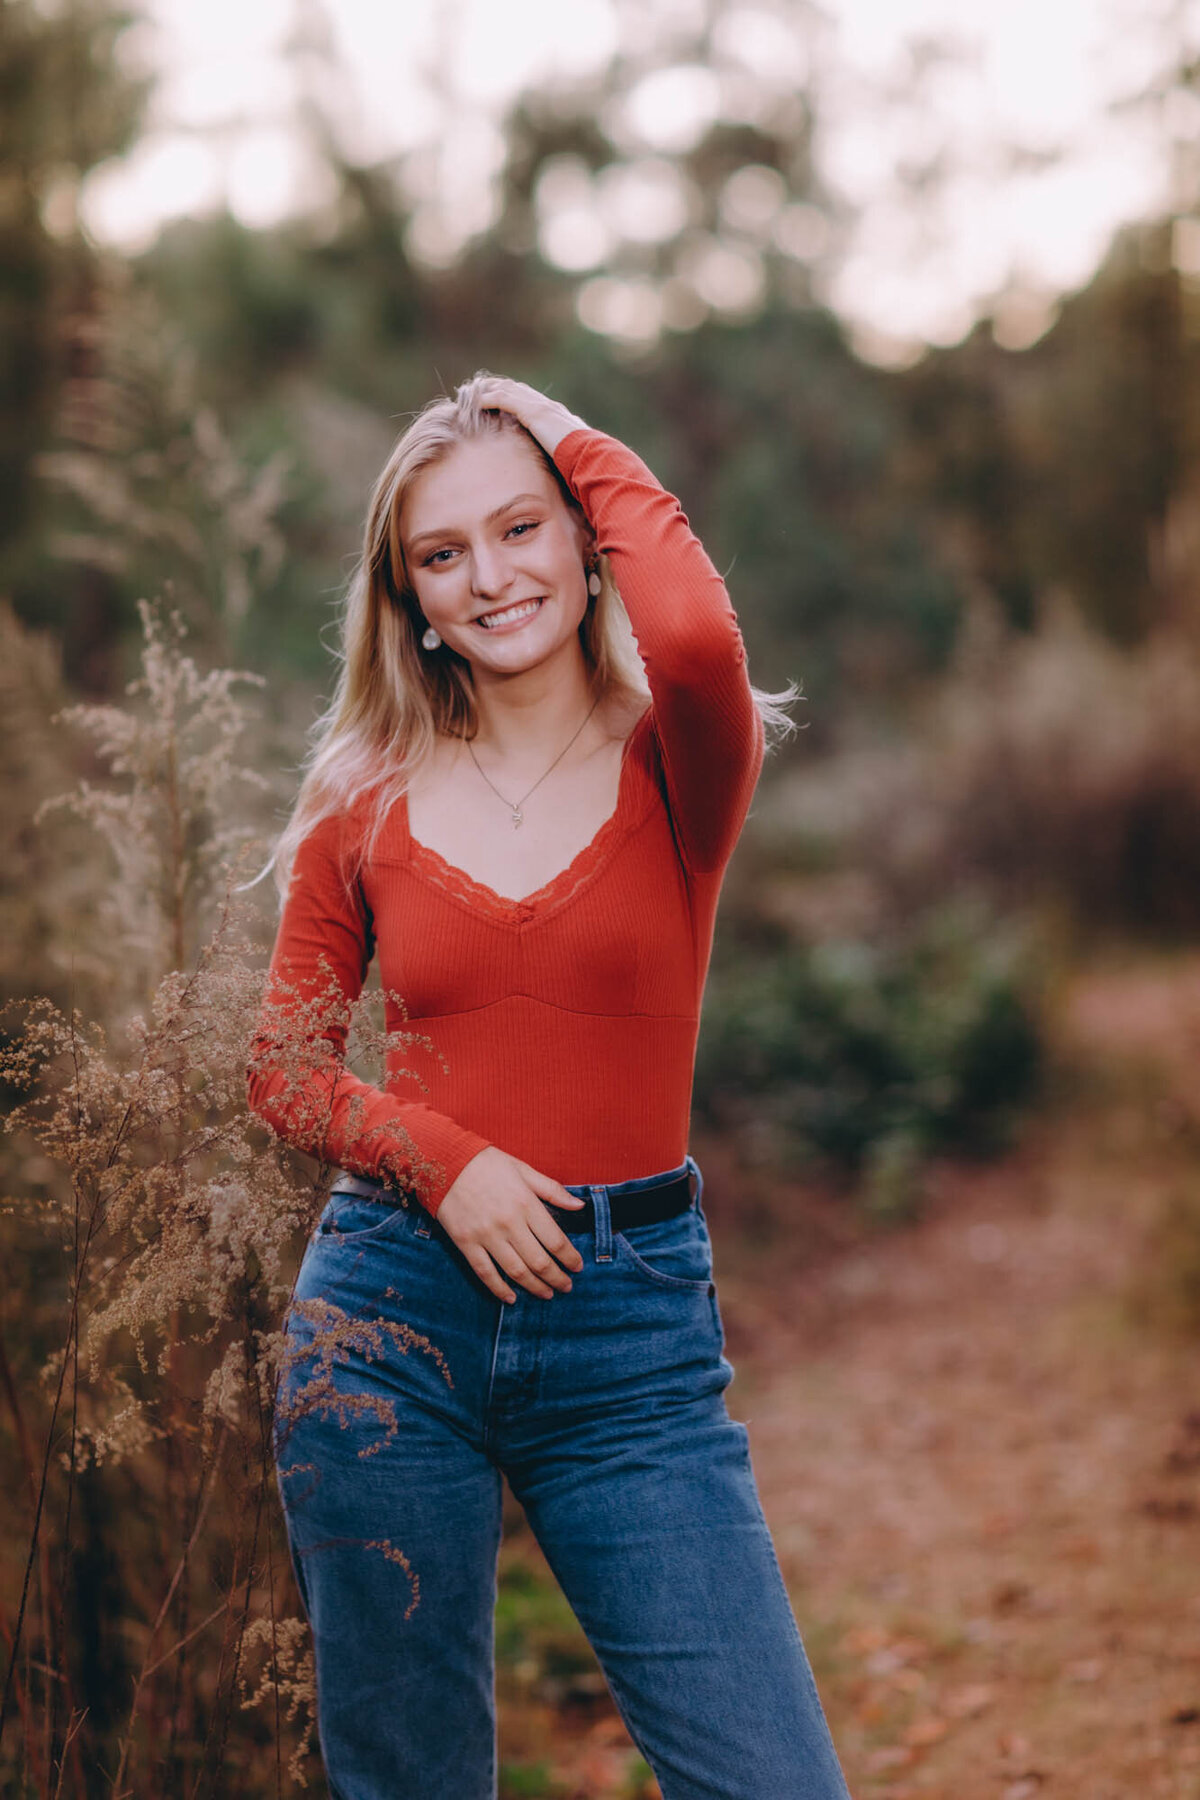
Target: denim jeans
{"x":605,"y":1409}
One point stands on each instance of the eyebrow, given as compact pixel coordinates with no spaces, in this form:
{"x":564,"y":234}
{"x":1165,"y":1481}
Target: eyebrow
{"x":497,"y":512}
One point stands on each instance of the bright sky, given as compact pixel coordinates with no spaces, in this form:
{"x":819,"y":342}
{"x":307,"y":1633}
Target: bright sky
{"x":1038,"y":74}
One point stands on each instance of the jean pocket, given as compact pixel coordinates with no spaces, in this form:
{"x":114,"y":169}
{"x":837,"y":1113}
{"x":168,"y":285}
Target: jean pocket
{"x":354,"y":1217}
{"x":674,"y":1253}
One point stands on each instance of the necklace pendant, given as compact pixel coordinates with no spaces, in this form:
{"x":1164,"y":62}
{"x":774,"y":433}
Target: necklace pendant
{"x":518,"y":817}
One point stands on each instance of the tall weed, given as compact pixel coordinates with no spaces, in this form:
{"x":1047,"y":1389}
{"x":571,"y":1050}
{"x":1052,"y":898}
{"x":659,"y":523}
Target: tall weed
{"x":153,"y":1230}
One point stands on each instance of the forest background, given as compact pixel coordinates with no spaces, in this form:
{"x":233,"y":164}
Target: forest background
{"x":979,"y":561}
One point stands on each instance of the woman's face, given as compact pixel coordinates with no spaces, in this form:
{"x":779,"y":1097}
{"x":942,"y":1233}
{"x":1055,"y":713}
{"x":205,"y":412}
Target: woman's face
{"x":495,"y":556}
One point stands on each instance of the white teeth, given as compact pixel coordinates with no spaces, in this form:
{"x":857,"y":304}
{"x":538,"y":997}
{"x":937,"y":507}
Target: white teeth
{"x":520,"y":611}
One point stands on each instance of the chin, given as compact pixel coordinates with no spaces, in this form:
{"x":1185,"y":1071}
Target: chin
{"x":515,"y":657}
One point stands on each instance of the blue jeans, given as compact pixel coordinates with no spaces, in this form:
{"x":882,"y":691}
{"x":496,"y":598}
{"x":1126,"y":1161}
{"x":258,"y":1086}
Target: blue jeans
{"x":605,"y":1409}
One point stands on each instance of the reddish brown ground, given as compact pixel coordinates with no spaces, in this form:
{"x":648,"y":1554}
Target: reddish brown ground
{"x":978,"y":1445}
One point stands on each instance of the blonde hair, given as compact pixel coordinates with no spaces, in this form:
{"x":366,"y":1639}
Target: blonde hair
{"x":392,"y":699}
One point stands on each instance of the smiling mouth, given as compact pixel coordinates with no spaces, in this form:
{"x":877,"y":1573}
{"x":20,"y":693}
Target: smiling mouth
{"x":509,"y":615}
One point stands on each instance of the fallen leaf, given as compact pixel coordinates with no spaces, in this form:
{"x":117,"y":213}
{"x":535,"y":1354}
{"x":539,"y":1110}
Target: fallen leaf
{"x":892,"y":1756}
{"x":968,"y":1702}
{"x":1009,"y":1595}
{"x":923,"y":1732}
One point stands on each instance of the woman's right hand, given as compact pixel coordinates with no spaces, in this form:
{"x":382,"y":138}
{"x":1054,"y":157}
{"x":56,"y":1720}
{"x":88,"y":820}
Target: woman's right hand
{"x":495,"y":1214}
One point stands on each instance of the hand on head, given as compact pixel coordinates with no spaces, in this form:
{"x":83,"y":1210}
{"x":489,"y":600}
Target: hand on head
{"x":549,"y":421}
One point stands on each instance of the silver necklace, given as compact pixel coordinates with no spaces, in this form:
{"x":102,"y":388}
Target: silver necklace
{"x":515,"y":806}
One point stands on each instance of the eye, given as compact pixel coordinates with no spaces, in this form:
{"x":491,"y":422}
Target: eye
{"x":435,"y":558}
{"x":523,"y":526}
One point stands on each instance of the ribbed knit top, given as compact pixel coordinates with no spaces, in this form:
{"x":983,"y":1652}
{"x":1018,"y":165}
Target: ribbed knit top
{"x":561,"y":1026}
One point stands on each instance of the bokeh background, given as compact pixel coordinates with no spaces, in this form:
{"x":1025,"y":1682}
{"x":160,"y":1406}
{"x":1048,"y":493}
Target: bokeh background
{"x":904,"y":303}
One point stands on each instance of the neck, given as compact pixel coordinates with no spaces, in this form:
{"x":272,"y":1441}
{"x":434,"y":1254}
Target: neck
{"x":531,"y":715}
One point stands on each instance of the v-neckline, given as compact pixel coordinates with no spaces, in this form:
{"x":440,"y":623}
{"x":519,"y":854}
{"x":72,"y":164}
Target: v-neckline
{"x":480,"y":897}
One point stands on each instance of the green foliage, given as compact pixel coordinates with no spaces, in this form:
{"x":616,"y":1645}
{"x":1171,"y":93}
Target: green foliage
{"x":528,"y":1781}
{"x":539,"y":1642}
{"x":871,"y":1058}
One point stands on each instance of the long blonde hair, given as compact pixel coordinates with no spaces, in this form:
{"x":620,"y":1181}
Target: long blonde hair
{"x":392,"y":699}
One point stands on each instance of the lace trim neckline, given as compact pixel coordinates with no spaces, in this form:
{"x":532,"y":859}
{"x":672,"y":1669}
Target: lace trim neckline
{"x":560,"y":888}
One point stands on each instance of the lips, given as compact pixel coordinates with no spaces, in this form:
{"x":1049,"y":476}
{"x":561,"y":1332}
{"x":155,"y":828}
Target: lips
{"x":509,"y":615}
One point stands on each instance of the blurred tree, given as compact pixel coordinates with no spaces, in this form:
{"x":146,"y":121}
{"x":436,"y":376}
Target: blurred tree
{"x":963,"y":456}
{"x":682,"y":170}
{"x":679,"y":180}
{"x":150,"y":490}
{"x":1108,"y":432}
{"x":659,"y":232}
{"x":1072,"y":465}
{"x":67,"y":101}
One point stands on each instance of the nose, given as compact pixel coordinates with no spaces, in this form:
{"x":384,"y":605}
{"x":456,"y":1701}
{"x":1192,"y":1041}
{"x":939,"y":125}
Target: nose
{"x":490,"y":572}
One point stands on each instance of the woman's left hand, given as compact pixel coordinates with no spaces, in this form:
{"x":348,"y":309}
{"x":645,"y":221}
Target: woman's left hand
{"x":549,"y":421}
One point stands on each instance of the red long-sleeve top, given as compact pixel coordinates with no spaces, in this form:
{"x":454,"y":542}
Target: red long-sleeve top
{"x":562,"y":1026}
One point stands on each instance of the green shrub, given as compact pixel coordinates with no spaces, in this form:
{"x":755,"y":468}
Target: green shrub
{"x":870,"y":1058}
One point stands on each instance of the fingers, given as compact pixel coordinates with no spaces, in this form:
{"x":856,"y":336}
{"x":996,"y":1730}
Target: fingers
{"x":527,"y":1257}
{"x":487,"y":1272}
{"x":548,"y":1254}
{"x":550,"y":1190}
{"x":549,"y":421}
{"x":503,"y":390}
{"x":509,"y":396}
{"x":496,"y":1212}
{"x":552,"y":1238}
{"x":533,"y":1270}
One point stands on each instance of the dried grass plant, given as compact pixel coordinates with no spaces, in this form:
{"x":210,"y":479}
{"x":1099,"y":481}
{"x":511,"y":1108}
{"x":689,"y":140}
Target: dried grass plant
{"x":153,"y":1647}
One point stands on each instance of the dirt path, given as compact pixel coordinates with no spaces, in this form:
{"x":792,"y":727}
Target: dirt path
{"x":979,"y":1450}
{"x":982,"y":1465}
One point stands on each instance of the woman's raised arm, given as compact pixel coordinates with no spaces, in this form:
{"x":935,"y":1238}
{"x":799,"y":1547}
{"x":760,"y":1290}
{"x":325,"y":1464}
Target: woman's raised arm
{"x":708,"y":726}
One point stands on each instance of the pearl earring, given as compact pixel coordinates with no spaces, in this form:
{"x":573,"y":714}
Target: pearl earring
{"x":430,"y":639}
{"x":594,"y":583}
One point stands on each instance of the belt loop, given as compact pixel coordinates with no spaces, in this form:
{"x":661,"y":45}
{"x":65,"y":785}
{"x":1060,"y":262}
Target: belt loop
{"x":695,"y":1184}
{"x":603,"y":1223}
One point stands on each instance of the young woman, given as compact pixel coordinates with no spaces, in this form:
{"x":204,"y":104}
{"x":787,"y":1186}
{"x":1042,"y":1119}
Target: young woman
{"x":527,"y":818}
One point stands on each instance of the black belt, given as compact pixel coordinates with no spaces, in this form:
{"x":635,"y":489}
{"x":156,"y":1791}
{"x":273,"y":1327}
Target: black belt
{"x":646,"y":1207}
